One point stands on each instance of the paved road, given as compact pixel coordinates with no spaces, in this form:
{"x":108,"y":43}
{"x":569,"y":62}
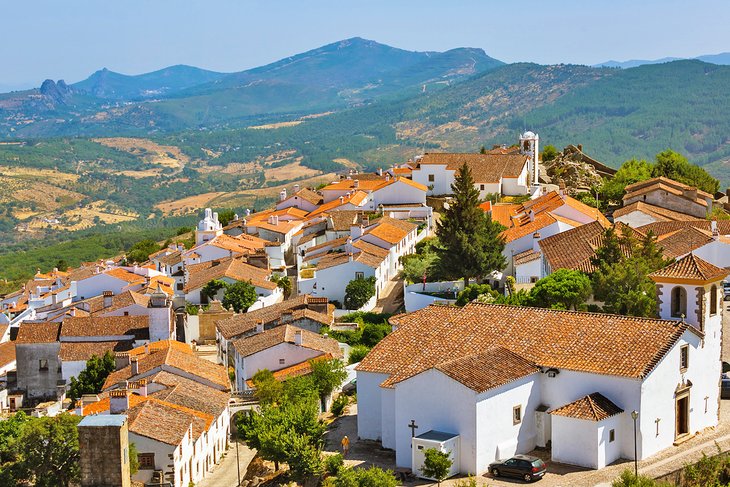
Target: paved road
{"x":391,"y":299}
{"x":225,"y":473}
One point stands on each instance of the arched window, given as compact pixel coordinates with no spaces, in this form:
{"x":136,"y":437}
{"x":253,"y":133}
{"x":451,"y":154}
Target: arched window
{"x":679,"y":302}
{"x":713,"y":300}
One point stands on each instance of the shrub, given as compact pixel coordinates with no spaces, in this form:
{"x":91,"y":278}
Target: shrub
{"x":358,"y":292}
{"x":339,"y":405}
{"x":357,"y":353}
{"x":333,"y":463}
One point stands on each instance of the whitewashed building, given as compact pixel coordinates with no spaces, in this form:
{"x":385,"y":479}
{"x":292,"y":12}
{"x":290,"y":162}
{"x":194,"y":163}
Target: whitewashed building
{"x":508,"y":379}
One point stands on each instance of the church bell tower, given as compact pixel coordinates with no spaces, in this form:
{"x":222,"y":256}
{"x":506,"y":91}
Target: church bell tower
{"x":529,"y":146}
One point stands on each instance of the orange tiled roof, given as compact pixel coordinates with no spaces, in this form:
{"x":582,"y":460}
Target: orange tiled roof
{"x":487,"y":370}
{"x":391,"y":230}
{"x":355,"y":198}
{"x":125,"y":275}
{"x":690,"y":268}
{"x":657,"y":212}
{"x":38,"y":332}
{"x":166,"y":422}
{"x":285,"y":334}
{"x":7,"y":353}
{"x":593,"y":407}
{"x":485,"y":168}
{"x":234,"y":268}
{"x":624,"y":346}
{"x":665,"y":184}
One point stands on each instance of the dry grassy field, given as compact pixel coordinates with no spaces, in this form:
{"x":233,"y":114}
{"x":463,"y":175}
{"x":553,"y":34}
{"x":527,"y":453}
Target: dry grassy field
{"x":151,"y":152}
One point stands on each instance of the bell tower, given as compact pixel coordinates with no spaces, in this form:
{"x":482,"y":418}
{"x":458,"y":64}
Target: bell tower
{"x":529,"y":146}
{"x":691,"y":290}
{"x":208,"y":228}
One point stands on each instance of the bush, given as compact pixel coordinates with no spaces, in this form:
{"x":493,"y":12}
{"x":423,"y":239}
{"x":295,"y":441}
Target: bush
{"x":333,"y":463}
{"x":358,"y":292}
{"x":357,"y":353}
{"x":339,"y":405}
{"x":473,"y":291}
{"x":372,"y":333}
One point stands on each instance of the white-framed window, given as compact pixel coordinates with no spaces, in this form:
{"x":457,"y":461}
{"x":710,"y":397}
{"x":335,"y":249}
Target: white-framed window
{"x":517,"y":414}
{"x":684,"y":357}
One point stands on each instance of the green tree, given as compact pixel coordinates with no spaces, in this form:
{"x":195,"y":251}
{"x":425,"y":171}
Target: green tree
{"x":267,"y":389}
{"x":436,"y":464}
{"x":239,"y":296}
{"x":133,"y":459}
{"x":327,"y":375}
{"x":51,"y":451}
{"x":375,"y":477}
{"x":357,"y":353}
{"x":630,"y":172}
{"x":675,"y":166}
{"x":10,"y":451}
{"x":210,"y":290}
{"x":358,"y":292}
{"x":373,"y":333}
{"x":141,"y":251}
{"x":415,"y":266}
{"x":62,"y":265}
{"x":304,"y":459}
{"x":549,"y":152}
{"x":470,"y":242}
{"x":284,"y":284}
{"x":473,"y":291}
{"x":91,"y":379}
{"x":226,"y":216}
{"x":628,"y":479}
{"x":565,"y":288}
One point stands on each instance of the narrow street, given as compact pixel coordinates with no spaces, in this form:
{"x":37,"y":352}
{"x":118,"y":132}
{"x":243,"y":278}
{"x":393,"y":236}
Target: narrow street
{"x":391,"y":299}
{"x":225,"y":474}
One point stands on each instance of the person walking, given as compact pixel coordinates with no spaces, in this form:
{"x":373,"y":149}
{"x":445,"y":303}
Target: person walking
{"x":345,"y":445}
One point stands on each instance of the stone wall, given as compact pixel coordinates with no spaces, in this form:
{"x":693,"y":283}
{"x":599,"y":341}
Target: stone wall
{"x":207,"y":320}
{"x":104,"y":456}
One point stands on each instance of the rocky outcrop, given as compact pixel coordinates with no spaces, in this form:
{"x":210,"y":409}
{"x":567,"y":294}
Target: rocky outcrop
{"x":57,"y":92}
{"x":578,"y":171}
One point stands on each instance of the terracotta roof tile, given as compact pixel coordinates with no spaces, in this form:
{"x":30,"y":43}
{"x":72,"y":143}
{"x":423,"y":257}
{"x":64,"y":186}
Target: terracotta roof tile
{"x":541,"y":220}
{"x":665,"y":184}
{"x":76,"y":351}
{"x":46,"y":332}
{"x":690,"y":268}
{"x":487,"y":370}
{"x":166,"y":422}
{"x":572,"y":249}
{"x":233,"y":268}
{"x":285,"y":334}
{"x":485,"y":168}
{"x":7,"y":353}
{"x":526,"y":256}
{"x":125,"y":275}
{"x":662,"y":228}
{"x":94,"y":326}
{"x":392,"y":230}
{"x":683,"y":241}
{"x":659,"y":213}
{"x":584,"y":342}
{"x":593,"y":407}
{"x":191,"y":394}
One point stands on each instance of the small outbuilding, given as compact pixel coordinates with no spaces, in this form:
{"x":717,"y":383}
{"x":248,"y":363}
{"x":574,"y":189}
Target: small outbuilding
{"x":587,"y":432}
{"x":438,"y":440}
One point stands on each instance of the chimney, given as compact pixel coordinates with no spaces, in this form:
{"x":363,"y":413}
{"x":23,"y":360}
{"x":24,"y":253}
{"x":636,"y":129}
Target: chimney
{"x":108,"y":297}
{"x":531,"y":214}
{"x":387,"y":178}
{"x":298,"y":338}
{"x":715,"y":231}
{"x":342,"y":199}
{"x":561,"y":189}
{"x":282,"y":194}
{"x":248,"y":212}
{"x":134,"y":365}
{"x":118,"y":401}
{"x":296,"y":188}
{"x":276,"y":219}
{"x":380,"y":171}
{"x":356,"y":183}
{"x":536,"y":242}
{"x":260,"y":327}
{"x":140,"y":386}
{"x":349,"y":255}
{"x":146,"y":348}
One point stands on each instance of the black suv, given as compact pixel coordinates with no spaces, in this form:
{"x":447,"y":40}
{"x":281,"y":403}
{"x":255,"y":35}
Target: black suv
{"x":521,"y":466}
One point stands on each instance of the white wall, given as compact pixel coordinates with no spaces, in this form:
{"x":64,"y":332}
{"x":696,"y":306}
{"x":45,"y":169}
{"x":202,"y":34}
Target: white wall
{"x":398,"y":193}
{"x":369,"y":420}
{"x":528,"y":270}
{"x":97,"y":284}
{"x":635,"y":219}
{"x":442,"y":178}
{"x":715,"y":252}
{"x":497,"y":436}
{"x":575,"y":441}
{"x":292,"y":354}
{"x":161,"y":451}
{"x":435,"y":402}
{"x":610,"y":451}
{"x":332,"y":281}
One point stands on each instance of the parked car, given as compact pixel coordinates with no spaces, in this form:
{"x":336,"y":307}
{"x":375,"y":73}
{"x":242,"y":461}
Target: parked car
{"x":725,"y":386}
{"x":726,"y":288}
{"x":526,"y":467}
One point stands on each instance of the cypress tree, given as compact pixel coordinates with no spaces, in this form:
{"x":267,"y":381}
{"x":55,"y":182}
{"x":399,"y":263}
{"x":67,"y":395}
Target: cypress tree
{"x":470,"y":242}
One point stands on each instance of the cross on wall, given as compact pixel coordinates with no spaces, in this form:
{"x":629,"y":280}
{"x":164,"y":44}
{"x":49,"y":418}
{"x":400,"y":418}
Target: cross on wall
{"x":413,"y":428}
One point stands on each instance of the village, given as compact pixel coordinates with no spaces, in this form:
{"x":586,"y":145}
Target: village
{"x":482,"y":309}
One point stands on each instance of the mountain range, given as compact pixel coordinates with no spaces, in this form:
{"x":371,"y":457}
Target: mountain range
{"x":722,"y":58}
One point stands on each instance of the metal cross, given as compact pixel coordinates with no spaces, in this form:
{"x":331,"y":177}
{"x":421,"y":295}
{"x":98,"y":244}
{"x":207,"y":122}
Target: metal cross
{"x":657,"y":425}
{"x":413,"y":428}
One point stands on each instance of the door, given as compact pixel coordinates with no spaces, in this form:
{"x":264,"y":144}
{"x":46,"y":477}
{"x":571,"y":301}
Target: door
{"x":682,"y":415}
{"x":511,"y":467}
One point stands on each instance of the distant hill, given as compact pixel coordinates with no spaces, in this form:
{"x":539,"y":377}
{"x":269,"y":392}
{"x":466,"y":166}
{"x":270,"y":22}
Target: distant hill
{"x":722,"y":59}
{"x":339,"y":75}
{"x":109,"y":85}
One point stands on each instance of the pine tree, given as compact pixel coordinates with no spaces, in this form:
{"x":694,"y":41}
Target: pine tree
{"x":470,"y":242}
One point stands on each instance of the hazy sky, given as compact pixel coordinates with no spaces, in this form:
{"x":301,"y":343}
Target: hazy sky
{"x":71,"y":39}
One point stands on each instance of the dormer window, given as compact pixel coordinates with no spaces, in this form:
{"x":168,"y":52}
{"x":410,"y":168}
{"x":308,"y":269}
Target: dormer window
{"x":679,"y":302}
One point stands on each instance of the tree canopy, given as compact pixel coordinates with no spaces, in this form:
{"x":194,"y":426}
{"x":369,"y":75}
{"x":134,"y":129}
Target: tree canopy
{"x":563,"y":289}
{"x":239,"y":296}
{"x":91,"y":379}
{"x":327,"y":376}
{"x":358,"y":292}
{"x":140,"y":252}
{"x":470,"y":242}
{"x":436,"y":464}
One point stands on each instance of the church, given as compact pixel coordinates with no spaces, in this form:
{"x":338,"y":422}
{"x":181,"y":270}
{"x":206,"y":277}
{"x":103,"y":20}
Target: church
{"x":500,"y":380}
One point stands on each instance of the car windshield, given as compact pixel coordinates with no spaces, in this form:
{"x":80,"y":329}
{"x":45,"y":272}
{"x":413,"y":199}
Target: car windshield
{"x":538,"y":463}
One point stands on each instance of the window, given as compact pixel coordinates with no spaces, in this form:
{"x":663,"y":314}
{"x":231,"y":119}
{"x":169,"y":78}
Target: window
{"x":611,"y":436}
{"x":179,"y":286}
{"x":359,"y":275}
{"x":43,"y":365}
{"x":126,"y":313}
{"x":679,"y":302}
{"x":713,"y":300}
{"x":431,"y":178}
{"x":684,"y":357}
{"x":282,"y":361}
{"x":146,"y":461}
{"x":481,"y":187}
{"x":517,"y":415}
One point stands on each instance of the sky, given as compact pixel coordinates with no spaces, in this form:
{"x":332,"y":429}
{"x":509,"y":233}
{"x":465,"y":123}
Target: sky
{"x":69,"y":40}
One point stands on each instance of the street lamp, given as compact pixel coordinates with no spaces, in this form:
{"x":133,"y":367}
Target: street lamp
{"x":634,"y":415}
